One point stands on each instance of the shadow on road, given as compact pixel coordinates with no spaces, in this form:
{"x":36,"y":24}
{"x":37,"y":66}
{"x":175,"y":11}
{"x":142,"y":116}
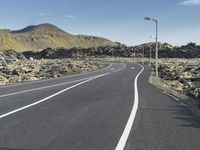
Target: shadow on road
{"x":182,"y":114}
{"x":188,"y":118}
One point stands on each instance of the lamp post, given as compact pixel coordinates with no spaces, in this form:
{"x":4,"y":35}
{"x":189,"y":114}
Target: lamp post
{"x":156,"y":22}
{"x":143,"y":55}
{"x":150,"y":50}
{"x":150,"y":54}
{"x":134,"y":56}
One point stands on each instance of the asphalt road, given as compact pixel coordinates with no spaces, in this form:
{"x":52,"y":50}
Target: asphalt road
{"x":114,"y":108}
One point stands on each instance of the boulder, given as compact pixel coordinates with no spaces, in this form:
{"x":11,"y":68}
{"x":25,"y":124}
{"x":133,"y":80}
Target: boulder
{"x":3,"y":80}
{"x":186,"y":75}
{"x":176,"y":85}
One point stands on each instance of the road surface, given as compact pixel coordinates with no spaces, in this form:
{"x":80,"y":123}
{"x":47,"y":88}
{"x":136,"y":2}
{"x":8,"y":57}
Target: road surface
{"x":111,"y":109}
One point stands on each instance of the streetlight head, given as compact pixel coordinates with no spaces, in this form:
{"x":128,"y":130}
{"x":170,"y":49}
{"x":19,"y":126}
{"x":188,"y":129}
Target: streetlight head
{"x":147,"y":18}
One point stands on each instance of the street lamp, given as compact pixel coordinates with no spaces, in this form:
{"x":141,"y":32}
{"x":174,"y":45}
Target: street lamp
{"x":143,"y":55}
{"x":134,"y":55}
{"x":150,"y":52}
{"x":154,"y":20}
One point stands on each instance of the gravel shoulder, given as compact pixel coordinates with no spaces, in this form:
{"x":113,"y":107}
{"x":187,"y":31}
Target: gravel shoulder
{"x":190,"y":103}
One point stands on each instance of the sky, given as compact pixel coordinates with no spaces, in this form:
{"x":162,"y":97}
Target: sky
{"x":117,"y":20}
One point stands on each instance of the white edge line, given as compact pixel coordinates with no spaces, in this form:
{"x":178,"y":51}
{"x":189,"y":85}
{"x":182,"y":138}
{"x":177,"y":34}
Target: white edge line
{"x":45,"y":87}
{"x":49,"y":97}
{"x":46,"y":80}
{"x":122,"y":142}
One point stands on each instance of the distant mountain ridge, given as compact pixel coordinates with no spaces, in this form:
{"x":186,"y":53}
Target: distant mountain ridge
{"x":38,"y":37}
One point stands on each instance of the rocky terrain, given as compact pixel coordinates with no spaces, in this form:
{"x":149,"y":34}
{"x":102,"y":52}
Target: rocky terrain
{"x":181,"y":75}
{"x":52,"y":53}
{"x":28,"y":70}
{"x":190,"y":50}
{"x":11,"y":54}
{"x":38,"y":37}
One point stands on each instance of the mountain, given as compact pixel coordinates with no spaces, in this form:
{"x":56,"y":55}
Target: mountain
{"x":38,"y":37}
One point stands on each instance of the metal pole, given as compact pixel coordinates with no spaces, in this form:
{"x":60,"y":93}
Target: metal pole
{"x":150,"y":55}
{"x":154,"y":20}
{"x":143,"y":55}
{"x":156,"y":48}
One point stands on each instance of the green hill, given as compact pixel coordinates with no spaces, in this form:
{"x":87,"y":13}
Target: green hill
{"x":41,"y":36}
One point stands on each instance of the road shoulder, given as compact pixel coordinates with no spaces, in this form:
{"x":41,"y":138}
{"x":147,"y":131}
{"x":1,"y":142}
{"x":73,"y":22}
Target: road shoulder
{"x":183,"y":100}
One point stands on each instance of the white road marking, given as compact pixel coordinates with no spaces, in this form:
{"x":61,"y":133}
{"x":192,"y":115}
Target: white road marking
{"x":55,"y":94}
{"x":112,"y":69}
{"x":50,"y":86}
{"x":122,"y":142}
{"x":124,"y":66}
{"x":132,"y":68}
{"x":51,"y":96}
{"x":47,"y":80}
{"x":40,"y":88}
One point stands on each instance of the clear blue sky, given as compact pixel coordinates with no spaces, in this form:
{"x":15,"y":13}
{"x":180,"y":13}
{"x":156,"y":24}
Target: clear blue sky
{"x":118,"y":20}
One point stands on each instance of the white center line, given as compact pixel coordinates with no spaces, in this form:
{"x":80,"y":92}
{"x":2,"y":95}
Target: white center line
{"x":124,"y":66}
{"x":40,"y":88}
{"x":55,"y":94}
{"x":49,"y":97}
{"x":47,"y":80}
{"x":50,"y":86}
{"x":122,"y":142}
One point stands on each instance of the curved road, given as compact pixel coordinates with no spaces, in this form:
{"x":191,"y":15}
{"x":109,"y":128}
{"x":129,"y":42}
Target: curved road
{"x":111,"y":109}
